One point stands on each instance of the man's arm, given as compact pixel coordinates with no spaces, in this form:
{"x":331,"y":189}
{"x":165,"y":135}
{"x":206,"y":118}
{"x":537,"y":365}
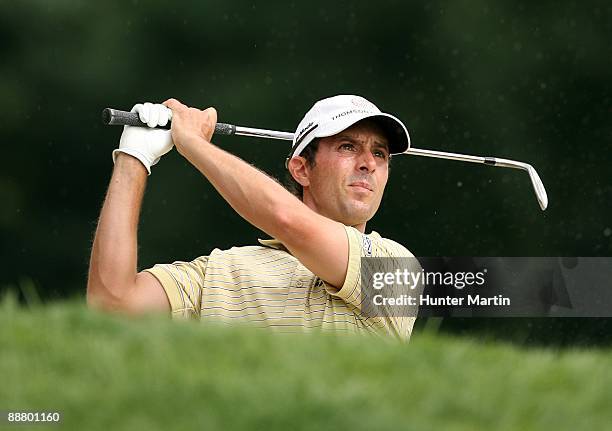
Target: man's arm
{"x":318,"y":242}
{"x":113,"y":283}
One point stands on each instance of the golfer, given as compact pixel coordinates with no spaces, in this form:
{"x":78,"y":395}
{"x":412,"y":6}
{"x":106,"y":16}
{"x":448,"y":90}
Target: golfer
{"x":307,"y":277}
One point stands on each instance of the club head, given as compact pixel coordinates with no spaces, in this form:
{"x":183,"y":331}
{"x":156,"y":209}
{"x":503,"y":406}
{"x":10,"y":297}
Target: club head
{"x":538,"y":187}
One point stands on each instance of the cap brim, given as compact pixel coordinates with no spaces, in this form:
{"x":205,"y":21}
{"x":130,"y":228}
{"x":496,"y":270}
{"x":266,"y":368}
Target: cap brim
{"x":394,"y":129}
{"x":396,"y":132}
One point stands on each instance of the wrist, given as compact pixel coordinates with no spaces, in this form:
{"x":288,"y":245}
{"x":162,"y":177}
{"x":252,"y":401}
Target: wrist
{"x":190,"y":143}
{"x":126,"y":162}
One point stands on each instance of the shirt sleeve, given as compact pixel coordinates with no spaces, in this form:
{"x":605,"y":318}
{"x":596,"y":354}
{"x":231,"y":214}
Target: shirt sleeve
{"x":183,"y":283}
{"x":351,"y":292}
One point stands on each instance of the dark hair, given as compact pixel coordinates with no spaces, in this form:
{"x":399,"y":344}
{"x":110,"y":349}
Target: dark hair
{"x":309,"y":153}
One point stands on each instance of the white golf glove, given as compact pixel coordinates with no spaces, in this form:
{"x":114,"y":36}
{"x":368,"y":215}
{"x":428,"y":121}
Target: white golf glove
{"x":147,"y":145}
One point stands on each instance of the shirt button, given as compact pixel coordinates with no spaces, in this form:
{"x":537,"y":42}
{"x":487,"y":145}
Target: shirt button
{"x":299,"y":283}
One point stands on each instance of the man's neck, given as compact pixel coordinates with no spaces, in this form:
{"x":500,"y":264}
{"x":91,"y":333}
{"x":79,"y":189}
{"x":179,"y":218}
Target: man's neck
{"x":313,"y":206}
{"x":360,"y":227}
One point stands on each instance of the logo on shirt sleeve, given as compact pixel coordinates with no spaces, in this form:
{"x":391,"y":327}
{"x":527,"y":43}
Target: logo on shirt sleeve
{"x":367,"y":246}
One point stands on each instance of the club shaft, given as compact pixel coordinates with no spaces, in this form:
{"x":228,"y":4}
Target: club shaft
{"x":493,"y":161}
{"x":117,"y":117}
{"x":262,"y":133}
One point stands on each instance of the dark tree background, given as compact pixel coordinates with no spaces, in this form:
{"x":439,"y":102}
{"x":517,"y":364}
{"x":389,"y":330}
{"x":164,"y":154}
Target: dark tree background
{"x":529,"y":81}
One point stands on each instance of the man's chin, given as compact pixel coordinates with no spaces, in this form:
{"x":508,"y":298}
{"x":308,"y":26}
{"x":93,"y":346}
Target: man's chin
{"x":359,"y":213}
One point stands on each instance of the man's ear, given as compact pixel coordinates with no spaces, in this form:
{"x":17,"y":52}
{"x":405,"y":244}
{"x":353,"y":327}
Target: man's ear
{"x":299,"y":170}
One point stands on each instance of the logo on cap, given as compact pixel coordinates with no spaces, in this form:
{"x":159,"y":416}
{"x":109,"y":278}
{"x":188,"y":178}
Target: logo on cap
{"x":360,"y":102}
{"x":305,"y":131}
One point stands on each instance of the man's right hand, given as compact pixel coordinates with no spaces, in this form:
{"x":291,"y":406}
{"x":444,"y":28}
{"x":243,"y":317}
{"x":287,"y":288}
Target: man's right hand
{"x":147,"y":144}
{"x":189,"y":123}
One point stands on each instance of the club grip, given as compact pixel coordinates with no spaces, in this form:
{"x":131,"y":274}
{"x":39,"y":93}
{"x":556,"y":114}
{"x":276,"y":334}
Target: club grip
{"x":116,"y":117}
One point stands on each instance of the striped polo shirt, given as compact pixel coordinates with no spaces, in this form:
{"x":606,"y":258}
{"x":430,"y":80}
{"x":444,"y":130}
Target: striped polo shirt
{"x":265,"y":285}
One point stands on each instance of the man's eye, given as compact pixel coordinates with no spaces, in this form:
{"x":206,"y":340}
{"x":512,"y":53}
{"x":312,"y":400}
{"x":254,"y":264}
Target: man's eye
{"x":347,"y":146}
{"x":380,"y":154}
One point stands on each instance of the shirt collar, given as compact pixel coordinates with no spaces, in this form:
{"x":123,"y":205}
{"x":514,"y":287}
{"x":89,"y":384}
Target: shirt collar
{"x":272,"y":243}
{"x":276,"y":244}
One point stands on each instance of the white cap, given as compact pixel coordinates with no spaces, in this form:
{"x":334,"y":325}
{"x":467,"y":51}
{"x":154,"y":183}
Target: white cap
{"x":333,"y":115}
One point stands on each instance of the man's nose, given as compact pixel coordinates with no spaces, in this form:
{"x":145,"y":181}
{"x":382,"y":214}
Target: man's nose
{"x":367,"y":162}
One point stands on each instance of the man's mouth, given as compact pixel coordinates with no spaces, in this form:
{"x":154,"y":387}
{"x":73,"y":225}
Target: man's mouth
{"x":362,"y":185}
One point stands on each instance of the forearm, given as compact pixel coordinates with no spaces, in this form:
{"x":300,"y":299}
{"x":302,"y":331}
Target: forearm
{"x":257,"y":197}
{"x":112,"y":268}
{"x":318,"y":242}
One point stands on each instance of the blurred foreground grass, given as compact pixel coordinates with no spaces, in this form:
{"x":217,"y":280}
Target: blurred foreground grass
{"x":109,"y":372}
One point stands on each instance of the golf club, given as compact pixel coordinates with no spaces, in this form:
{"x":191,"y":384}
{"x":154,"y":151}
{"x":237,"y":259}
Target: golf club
{"x":123,"y":118}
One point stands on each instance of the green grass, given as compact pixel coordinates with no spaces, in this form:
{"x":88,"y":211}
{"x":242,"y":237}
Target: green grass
{"x":108,"y":372}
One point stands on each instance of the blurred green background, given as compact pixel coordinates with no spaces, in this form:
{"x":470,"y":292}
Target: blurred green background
{"x":529,"y":81}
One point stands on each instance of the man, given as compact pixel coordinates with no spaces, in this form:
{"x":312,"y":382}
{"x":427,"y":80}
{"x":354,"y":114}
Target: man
{"x":308,"y":276}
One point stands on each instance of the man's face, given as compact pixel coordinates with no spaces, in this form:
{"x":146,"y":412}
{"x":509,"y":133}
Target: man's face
{"x":350,"y":174}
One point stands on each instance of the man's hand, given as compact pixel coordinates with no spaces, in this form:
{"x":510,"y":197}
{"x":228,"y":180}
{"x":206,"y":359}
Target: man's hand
{"x":189,"y":123}
{"x":147,"y":145}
